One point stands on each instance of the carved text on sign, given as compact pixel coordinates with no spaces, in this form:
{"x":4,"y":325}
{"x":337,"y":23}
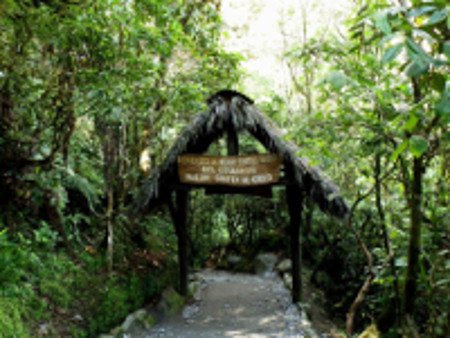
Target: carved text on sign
{"x":251,"y":170}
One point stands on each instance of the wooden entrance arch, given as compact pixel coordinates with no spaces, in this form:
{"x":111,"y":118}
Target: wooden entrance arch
{"x":229,"y":114}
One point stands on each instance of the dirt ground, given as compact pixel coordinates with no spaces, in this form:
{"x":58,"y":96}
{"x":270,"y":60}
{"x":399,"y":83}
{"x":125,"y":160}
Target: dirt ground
{"x":236,"y":305}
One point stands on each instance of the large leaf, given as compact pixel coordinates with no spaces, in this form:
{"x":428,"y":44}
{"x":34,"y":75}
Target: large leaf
{"x":381,"y":21}
{"x":416,"y":49}
{"x":410,"y":125}
{"x":443,"y":105}
{"x":446,"y":48}
{"x":399,"y":150}
{"x":392,"y":52}
{"x":417,"y":67}
{"x":421,"y":11}
{"x":337,"y":79}
{"x":401,"y":262}
{"x":418,"y":145}
{"x":437,"y":17}
{"x":438,"y":82}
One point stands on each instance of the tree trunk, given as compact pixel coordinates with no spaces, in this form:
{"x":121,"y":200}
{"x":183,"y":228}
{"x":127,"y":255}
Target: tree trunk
{"x":110,"y":167}
{"x":387,"y":242}
{"x":414,"y":238}
{"x":110,"y":230}
{"x":416,"y":223}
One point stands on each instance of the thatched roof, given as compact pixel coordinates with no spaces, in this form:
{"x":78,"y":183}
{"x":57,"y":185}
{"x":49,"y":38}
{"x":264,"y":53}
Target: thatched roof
{"x":231,"y":109}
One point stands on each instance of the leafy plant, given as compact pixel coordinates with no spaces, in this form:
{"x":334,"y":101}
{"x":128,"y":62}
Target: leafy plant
{"x":11,"y":322}
{"x":13,"y":261}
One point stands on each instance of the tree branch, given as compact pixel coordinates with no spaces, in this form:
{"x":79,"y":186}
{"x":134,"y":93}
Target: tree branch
{"x":370,"y":273}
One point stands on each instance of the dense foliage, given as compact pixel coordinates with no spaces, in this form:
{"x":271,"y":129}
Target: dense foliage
{"x":379,"y":124}
{"x":92,"y":94}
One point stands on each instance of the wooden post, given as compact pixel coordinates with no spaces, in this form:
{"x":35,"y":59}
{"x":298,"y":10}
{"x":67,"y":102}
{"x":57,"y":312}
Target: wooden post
{"x":295,"y":206}
{"x":179,"y":217}
{"x":232,"y":142}
{"x":182,"y":205}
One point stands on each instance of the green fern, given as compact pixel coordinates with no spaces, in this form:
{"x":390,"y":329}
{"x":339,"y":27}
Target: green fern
{"x":77,"y":182}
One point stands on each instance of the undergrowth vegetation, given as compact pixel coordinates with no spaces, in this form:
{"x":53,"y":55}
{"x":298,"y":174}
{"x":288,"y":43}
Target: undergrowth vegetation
{"x":45,"y":291}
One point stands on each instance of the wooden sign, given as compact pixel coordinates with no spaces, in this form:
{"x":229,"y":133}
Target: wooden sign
{"x":241,"y":171}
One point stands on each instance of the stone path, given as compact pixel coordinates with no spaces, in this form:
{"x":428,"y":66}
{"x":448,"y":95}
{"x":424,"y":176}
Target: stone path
{"x":235,"y":305}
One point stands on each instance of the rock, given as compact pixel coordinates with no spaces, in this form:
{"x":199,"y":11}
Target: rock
{"x":265,"y":263}
{"x":195,"y":277}
{"x":370,"y":332}
{"x":190,"y":311}
{"x":126,"y":325}
{"x":284,"y":266}
{"x":117,"y":331}
{"x":140,"y":314}
{"x":234,"y":260}
{"x":138,"y":318}
{"x":77,"y":318}
{"x":287,"y":279}
{"x":147,"y":321}
{"x":194,"y":288}
{"x":60,"y":310}
{"x":209,"y":319}
{"x":310,"y":333}
{"x":196,"y":283}
{"x":43,"y":330}
{"x":171,"y":302}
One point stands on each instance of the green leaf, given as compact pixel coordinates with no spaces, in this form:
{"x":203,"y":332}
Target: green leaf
{"x":416,"y":49}
{"x":418,"y":145}
{"x":438,"y":62}
{"x":411,"y":123}
{"x":421,"y":11}
{"x":381,"y":21}
{"x":337,"y":79}
{"x":438,"y":82}
{"x":397,"y":152}
{"x":420,"y":60}
{"x":437,"y":17}
{"x":446,"y":48}
{"x":401,"y":262}
{"x":417,"y":67}
{"x":443,"y":282}
{"x":116,"y":114}
{"x":443,"y":105}
{"x":391,"y":53}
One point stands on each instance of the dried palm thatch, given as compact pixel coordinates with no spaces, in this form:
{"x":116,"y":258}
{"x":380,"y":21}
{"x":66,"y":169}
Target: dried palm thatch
{"x":229,"y":109}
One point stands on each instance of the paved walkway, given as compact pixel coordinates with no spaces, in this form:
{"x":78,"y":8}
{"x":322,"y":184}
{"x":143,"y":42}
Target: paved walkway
{"x":235,"y":305}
